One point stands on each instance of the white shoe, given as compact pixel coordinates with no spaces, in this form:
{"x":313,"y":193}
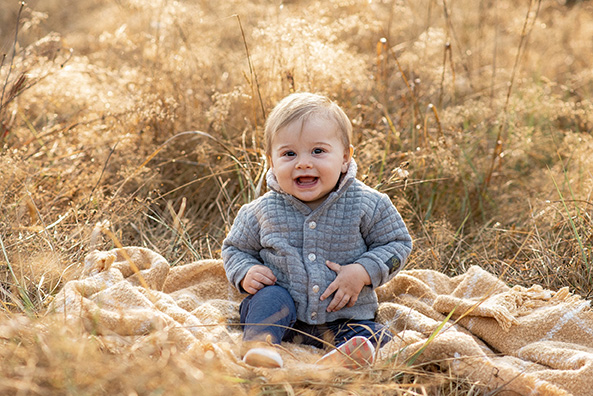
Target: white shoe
{"x":263,"y":357}
{"x":354,"y":353}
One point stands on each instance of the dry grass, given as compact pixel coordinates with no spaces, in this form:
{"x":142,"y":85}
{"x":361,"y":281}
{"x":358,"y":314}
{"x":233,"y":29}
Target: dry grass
{"x":475,"y":116}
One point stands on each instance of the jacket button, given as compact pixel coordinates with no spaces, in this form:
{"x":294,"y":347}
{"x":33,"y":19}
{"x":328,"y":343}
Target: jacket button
{"x":312,"y":225}
{"x":315,"y":289}
{"x":313,"y":315}
{"x":311,"y":257}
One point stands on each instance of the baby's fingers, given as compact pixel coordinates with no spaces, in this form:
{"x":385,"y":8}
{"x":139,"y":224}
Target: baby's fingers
{"x":250,"y":289}
{"x":338,"y":302}
{"x":265,"y":278}
{"x":352,"y":301}
{"x":330,"y":289}
{"x":333,"y":266}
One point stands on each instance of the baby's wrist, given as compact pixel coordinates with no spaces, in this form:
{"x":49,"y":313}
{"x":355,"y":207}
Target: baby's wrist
{"x":366,"y":276}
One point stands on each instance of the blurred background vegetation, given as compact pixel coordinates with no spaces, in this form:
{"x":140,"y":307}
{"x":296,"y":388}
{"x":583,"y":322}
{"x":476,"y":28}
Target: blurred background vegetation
{"x":474,"y":116}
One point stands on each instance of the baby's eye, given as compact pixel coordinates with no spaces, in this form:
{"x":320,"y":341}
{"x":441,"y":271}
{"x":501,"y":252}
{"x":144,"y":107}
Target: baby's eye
{"x":318,"y":151}
{"x":289,"y":154}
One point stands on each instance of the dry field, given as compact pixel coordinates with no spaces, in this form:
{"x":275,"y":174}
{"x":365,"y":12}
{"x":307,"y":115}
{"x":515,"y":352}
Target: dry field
{"x":145,"y":116}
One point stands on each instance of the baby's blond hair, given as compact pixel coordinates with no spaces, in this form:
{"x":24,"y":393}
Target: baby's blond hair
{"x":300,"y":107}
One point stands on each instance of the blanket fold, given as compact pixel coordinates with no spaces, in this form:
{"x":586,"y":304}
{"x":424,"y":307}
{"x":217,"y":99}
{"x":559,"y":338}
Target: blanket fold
{"x":527,"y":341}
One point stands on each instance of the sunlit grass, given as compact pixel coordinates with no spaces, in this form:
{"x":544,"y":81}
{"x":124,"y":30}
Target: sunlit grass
{"x":146,"y":117}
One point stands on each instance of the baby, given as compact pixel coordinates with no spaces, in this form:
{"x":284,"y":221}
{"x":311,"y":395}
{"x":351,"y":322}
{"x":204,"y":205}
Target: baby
{"x":311,"y":251}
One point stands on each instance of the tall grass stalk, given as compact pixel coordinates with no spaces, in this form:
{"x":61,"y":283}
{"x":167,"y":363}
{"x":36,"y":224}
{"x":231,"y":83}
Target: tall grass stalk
{"x":574,"y":229}
{"x":252,"y":73}
{"x":28,"y":306}
{"x":133,"y":265}
{"x":499,"y":143}
{"x":10,"y":65}
{"x":430,"y":339}
{"x":440,"y":136}
{"x":402,"y":74}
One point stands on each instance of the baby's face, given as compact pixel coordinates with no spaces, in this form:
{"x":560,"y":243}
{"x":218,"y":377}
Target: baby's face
{"x":307,"y":159}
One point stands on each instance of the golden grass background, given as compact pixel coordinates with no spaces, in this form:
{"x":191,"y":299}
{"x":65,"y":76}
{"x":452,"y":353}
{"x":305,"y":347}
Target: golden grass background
{"x":475,"y":116}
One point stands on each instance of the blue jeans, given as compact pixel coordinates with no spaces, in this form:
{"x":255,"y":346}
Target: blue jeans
{"x":271,"y":312}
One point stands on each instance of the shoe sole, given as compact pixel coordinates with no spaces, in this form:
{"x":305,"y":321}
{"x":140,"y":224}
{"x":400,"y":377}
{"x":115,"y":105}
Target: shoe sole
{"x":262,"y":357}
{"x":354,"y":353}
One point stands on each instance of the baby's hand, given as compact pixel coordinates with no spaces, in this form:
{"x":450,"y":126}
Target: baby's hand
{"x":347,"y":285}
{"x":256,"y":278}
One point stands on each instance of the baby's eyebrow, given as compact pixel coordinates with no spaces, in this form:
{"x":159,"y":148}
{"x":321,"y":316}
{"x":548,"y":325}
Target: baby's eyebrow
{"x":283,"y":147}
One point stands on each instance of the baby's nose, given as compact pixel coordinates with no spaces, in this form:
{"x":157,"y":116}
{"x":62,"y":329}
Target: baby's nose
{"x":304,"y":161}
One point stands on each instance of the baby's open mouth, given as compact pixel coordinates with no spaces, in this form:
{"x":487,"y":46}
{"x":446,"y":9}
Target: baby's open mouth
{"x":306,"y":180}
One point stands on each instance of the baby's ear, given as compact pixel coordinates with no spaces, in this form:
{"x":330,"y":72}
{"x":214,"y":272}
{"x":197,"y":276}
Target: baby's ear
{"x":348,"y":153}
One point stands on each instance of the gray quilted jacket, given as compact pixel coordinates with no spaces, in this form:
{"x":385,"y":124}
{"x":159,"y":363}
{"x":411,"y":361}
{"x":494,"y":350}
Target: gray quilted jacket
{"x":355,"y":224}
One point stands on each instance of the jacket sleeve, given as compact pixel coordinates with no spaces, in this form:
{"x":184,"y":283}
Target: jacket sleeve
{"x":388,"y":241}
{"x":240,"y":249}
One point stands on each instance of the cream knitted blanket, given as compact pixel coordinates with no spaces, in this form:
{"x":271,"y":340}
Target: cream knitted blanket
{"x":515,"y":340}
